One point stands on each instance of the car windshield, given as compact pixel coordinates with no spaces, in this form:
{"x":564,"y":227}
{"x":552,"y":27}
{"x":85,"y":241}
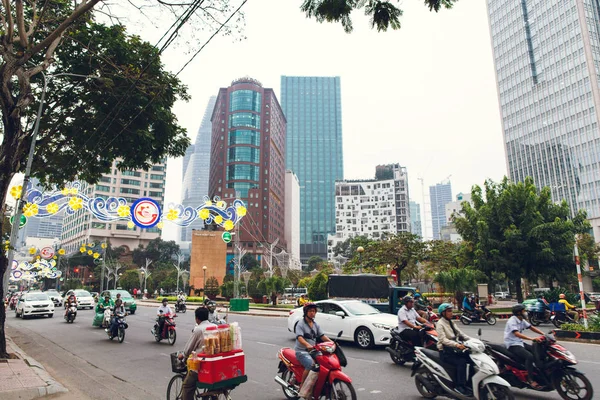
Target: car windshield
{"x":123,"y":293}
{"x":36,"y":297}
{"x":82,"y":293}
{"x":359,"y":308}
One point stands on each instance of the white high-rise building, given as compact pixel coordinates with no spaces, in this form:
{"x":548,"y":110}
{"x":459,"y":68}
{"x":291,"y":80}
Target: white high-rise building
{"x":372,"y":207}
{"x":415,"y":218}
{"x":292,"y":218}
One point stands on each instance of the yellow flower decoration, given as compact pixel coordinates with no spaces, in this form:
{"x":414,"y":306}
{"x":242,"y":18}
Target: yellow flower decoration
{"x":228,"y":225}
{"x":73,"y":191}
{"x":52,"y":208}
{"x":123,"y":211}
{"x":160,"y":225}
{"x":130,"y":225}
{"x":38,"y":257}
{"x":218,"y":219}
{"x":32,"y":250}
{"x":221,"y":204}
{"x":208,"y":203}
{"x":15,"y":191}
{"x":90,"y":252}
{"x":75,"y":203}
{"x":103,"y":245}
{"x":96,"y":255}
{"x":241,"y":211}
{"x":82,"y":249}
{"x":30,"y":209}
{"x":172,"y":214}
{"x":204,"y":214}
{"x":61,"y":252}
{"x":54,"y":257}
{"x":65,"y":191}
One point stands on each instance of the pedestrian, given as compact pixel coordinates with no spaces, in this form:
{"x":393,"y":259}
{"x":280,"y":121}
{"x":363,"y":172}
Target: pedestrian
{"x":162,"y":292}
{"x":274,"y":298}
{"x":134,"y":292}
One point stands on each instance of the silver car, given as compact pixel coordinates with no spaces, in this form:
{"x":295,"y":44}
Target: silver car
{"x":83,"y":297}
{"x":55,"y":297}
{"x":36,"y":303}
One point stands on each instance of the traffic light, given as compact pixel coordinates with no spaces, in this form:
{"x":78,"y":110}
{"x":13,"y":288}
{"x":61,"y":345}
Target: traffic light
{"x":76,"y":270}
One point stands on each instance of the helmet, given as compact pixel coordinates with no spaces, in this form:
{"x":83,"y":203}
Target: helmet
{"x":164,"y":300}
{"x":407,"y":299}
{"x":211,"y":305}
{"x":417,"y":295}
{"x":444,"y":307}
{"x":562,"y":296}
{"x":308,"y":306}
{"x":517,"y":309}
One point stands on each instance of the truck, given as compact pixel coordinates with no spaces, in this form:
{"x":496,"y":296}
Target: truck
{"x":373,"y":289}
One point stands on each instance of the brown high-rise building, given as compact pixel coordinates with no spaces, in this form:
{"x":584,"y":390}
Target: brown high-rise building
{"x":248,"y":158}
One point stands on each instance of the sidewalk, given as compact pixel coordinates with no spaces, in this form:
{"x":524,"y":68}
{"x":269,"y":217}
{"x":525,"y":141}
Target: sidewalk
{"x":258,"y":311}
{"x":24,"y":378}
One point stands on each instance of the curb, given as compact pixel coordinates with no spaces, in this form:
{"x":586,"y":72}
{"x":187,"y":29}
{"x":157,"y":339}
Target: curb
{"x":248,"y":313}
{"x":581,"y":337}
{"x":52,"y":387}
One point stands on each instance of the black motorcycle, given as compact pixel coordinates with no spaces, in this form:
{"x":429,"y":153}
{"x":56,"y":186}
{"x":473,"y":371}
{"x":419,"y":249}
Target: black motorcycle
{"x":121,"y":326}
{"x":484,"y":315}
{"x":180,"y":307}
{"x":402,"y":351}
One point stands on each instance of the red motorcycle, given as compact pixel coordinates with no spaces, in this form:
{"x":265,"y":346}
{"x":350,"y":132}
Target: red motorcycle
{"x":13,"y":301}
{"x":556,"y":372}
{"x":331,"y":382}
{"x":168,"y":330}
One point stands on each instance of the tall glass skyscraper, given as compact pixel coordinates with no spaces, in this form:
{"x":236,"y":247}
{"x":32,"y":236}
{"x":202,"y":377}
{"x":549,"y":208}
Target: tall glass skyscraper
{"x":439,"y":196}
{"x":196,"y":165}
{"x":547,"y":61}
{"x":313,"y":109}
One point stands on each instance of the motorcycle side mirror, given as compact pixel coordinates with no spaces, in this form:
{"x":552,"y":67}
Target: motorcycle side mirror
{"x":340,"y":334}
{"x":340,"y":314}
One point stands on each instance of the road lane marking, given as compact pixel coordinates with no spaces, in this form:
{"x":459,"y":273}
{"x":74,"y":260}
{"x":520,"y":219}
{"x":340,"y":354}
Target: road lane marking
{"x":375,"y":391}
{"x":589,"y":362}
{"x":362,"y":359}
{"x":166,"y":355}
{"x":268,"y":344}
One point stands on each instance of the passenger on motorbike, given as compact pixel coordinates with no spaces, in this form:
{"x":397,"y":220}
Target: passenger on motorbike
{"x":420,"y":305}
{"x":407,"y":319}
{"x":513,"y":339}
{"x":449,"y":335}
{"x":213,"y":316}
{"x":114,"y":326}
{"x":470,"y":305}
{"x":195,"y":343}
{"x":71,"y":302}
{"x":570,"y":309}
{"x":104,"y":304}
{"x":307,"y":333}
{"x":163,"y":310}
{"x":180,"y":298}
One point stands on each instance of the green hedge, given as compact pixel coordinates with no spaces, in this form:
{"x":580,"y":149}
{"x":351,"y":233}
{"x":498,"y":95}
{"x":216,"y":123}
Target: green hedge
{"x":174,"y":298}
{"x":593,"y":326}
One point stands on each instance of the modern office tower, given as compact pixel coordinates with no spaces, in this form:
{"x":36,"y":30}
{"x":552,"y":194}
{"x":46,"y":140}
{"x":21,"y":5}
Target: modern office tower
{"x":292,"y":219}
{"x":196,"y":166}
{"x":439,"y":196}
{"x":371,"y":207}
{"x":80,"y":227}
{"x":453,"y":208}
{"x":415,"y":218}
{"x":313,"y":108}
{"x":248,"y":161}
{"x":547,"y":58}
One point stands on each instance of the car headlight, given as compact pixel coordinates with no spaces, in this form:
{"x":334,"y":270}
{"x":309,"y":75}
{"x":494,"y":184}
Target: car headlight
{"x":382,"y":326}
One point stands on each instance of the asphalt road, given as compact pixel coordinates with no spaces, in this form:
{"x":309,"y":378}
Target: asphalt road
{"x":82,"y":358}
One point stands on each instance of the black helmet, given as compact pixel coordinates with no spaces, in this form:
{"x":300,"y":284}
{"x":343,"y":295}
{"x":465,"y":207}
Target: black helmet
{"x":407,"y":299}
{"x":211,"y":305}
{"x":308,"y":306}
{"x":165,"y":300}
{"x":517,"y":309}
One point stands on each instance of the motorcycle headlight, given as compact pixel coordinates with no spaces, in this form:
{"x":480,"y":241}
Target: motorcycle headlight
{"x":328,"y":348}
{"x":383,"y":326}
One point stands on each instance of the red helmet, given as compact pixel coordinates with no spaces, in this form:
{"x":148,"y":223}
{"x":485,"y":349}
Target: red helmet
{"x":308,"y":306}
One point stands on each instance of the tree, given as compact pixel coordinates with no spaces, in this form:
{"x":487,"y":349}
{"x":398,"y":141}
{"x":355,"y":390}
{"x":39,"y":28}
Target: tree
{"x":459,"y":280}
{"x":157,"y":250}
{"x":443,"y":255}
{"x":517,"y":230}
{"x":212,"y":287}
{"x":317,"y":289}
{"x":129,"y":280}
{"x":250,"y":262}
{"x":348,"y":247}
{"x":382,"y":12}
{"x":314,"y":262}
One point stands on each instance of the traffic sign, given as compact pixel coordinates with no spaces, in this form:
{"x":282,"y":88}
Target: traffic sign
{"x":226,"y":237}
{"x":47,"y":252}
{"x":22,"y":220}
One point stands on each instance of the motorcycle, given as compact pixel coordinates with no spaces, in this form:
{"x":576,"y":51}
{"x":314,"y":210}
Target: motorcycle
{"x":180,"y":307}
{"x":539,"y":313}
{"x":556,"y":373}
{"x":485,"y":315}
{"x":71,"y":314}
{"x":121,"y":326}
{"x":13,"y":302}
{"x":561,"y":317}
{"x":402,"y":351}
{"x":434,"y":378}
{"x":331,"y":382}
{"x":431,"y":316}
{"x":168,"y":331}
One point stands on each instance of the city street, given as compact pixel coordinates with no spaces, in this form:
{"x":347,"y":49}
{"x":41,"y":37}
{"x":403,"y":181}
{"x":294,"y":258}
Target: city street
{"x":83,"y":358}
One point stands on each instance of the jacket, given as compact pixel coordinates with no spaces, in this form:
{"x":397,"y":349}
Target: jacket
{"x":446,"y":336}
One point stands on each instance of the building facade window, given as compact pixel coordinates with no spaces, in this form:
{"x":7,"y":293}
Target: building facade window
{"x":243,"y":172}
{"x":245,"y":100}
{"x":244,"y":119}
{"x":246,"y":154}
{"x":130,"y":182}
{"x":102,"y":188}
{"x":244,"y":137}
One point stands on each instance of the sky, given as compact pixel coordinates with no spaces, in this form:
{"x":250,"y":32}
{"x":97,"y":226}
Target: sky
{"x":423,"y":96}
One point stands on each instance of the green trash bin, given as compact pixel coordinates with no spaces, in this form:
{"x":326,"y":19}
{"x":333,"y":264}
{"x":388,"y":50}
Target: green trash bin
{"x":239,"y":304}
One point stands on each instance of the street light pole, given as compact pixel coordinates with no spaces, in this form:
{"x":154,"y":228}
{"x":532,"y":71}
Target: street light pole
{"x":204,"y":268}
{"x":360,"y":250}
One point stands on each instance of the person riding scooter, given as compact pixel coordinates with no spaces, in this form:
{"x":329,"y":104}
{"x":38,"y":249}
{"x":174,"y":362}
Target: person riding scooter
{"x":163,"y":310}
{"x":470,"y":305}
{"x":71,"y":302}
{"x":180,"y":299}
{"x":407,"y":322}
{"x":114,"y":326}
{"x":420,"y":306}
{"x":451,"y":349}
{"x":570,"y":309}
{"x":213,"y":316}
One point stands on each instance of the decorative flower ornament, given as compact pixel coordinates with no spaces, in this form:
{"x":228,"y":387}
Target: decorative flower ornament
{"x":241,"y":210}
{"x":103,"y":245}
{"x":90,"y":252}
{"x":228,"y":225}
{"x":160,"y":225}
{"x":55,"y":257}
{"x":75,"y":203}
{"x":218,"y":219}
{"x":204,"y":214}
{"x":172,"y":214}
{"x":52,"y":208}
{"x":73,"y":191}
{"x":16,"y":191}
{"x":208,"y":203}
{"x":61,"y":252}
{"x":82,"y":249}
{"x":32,"y":250}
{"x":30,"y":209}
{"x":130,"y":225}
{"x":221,"y":204}
{"x":123,"y":211}
{"x":96,"y":255}
{"x":65,"y":191}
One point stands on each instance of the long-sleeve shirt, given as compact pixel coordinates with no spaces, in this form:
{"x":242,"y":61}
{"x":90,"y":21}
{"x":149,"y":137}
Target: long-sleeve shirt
{"x":196,"y":341}
{"x":566,"y":303}
{"x":446,"y":336}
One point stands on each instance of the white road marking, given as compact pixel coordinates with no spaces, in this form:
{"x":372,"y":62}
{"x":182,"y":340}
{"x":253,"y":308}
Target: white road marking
{"x":268,"y":344}
{"x":166,"y":355}
{"x":362,"y":359}
{"x":361,"y":389}
{"x":589,"y":362}
{"x":375,"y":391}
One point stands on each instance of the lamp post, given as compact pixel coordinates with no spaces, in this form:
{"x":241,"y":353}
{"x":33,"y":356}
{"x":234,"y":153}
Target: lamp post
{"x":204,"y":268}
{"x":360,"y":250}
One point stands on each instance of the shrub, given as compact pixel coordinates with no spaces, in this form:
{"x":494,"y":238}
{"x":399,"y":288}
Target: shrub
{"x":317,"y":289}
{"x":593,"y":326}
{"x":552,"y":296}
{"x":212,"y":286}
{"x":189,"y":298}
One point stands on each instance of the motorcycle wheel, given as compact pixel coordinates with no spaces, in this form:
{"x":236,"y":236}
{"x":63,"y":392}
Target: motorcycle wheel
{"x":121,"y":335}
{"x":175,"y":387}
{"x":533,"y":320}
{"x":491,"y":320}
{"x":341,"y":390}
{"x":172,"y":337}
{"x":499,"y":392}
{"x":397,"y":360}
{"x":288,"y":377}
{"x":464,"y":321}
{"x":568,"y":387}
{"x":421,"y":388}
{"x":557,"y":322}
{"x":183,"y":309}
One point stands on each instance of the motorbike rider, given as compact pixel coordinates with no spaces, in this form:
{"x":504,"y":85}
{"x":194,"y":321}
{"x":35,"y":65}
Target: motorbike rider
{"x":118,"y":308}
{"x":513,"y":339}
{"x":307,"y":332}
{"x":469,"y":304}
{"x":104,"y":304}
{"x":407,"y":319}
{"x":449,"y":335}
{"x":71,"y":302}
{"x":194,"y":343}
{"x":420,"y":305}
{"x":213,"y":316}
{"x":180,"y":299}
{"x":570,"y":309}
{"x":163,"y":310}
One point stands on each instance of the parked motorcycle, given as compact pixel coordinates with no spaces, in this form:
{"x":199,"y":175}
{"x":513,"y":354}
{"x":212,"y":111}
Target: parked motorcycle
{"x":121,"y":326}
{"x":331,"y":383}
{"x":484,"y":315}
{"x":71,"y":314}
{"x":556,"y":373}
{"x":435,"y":378}
{"x":168,"y":332}
{"x":402,"y":351}
{"x":180,"y":307}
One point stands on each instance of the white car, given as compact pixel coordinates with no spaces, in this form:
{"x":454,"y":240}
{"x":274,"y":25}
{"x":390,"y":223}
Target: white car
{"x":83,"y":297}
{"x":358,"y":321}
{"x":55,"y":297}
{"x":502,"y":295}
{"x":34,"y":303}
